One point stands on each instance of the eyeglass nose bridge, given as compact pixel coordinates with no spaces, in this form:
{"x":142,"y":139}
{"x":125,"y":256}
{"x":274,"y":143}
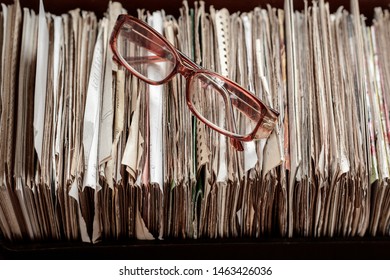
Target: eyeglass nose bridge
{"x":186,"y":71}
{"x":187,"y":67}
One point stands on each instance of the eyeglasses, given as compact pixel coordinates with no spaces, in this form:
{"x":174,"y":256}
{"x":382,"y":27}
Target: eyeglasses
{"x":217,"y":101}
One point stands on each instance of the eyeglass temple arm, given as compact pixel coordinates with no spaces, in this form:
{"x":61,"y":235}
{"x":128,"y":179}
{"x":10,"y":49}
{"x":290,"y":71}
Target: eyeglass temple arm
{"x":142,"y":59}
{"x":157,"y":58}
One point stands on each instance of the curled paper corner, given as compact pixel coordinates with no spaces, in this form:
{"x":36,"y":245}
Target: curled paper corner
{"x":273,"y":156}
{"x":74,"y":191}
{"x":141,"y":231}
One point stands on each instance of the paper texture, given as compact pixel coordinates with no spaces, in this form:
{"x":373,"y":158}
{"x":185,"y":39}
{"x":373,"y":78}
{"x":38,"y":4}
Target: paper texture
{"x":92,"y":153}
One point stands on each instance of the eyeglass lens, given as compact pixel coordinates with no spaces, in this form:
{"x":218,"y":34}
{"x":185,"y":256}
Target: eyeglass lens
{"x":144,"y":52}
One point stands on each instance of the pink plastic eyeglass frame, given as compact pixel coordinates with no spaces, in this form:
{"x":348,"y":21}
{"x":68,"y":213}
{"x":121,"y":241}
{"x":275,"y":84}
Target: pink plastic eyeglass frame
{"x":189,"y":69}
